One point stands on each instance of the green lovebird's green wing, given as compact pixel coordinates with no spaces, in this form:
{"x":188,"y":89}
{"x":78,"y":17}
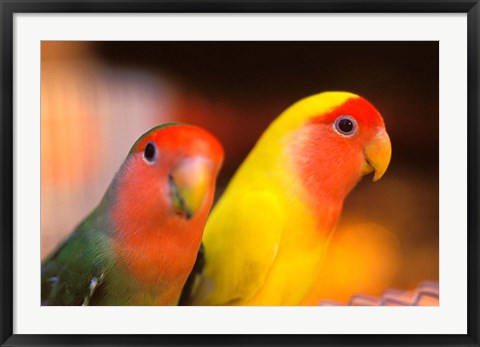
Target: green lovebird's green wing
{"x":73,"y":274}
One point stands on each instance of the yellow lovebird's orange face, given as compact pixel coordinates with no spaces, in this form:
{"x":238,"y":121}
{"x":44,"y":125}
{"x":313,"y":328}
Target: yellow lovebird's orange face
{"x":333,"y":150}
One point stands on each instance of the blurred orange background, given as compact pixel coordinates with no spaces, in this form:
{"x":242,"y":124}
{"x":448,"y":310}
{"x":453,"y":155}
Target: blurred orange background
{"x":99,"y":97}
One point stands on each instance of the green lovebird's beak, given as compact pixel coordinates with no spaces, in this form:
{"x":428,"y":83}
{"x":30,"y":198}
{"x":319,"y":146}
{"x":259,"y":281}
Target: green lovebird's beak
{"x":377,"y":155}
{"x":189,"y":182}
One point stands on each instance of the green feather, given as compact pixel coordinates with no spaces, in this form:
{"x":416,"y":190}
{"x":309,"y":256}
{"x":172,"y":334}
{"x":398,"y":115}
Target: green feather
{"x":75,"y":272}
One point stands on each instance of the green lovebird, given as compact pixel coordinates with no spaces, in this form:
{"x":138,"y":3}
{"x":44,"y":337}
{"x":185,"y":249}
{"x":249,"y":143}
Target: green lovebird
{"x":139,"y":245}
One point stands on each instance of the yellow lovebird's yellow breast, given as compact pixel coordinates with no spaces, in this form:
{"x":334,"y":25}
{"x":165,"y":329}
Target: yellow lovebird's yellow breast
{"x":262,"y":242}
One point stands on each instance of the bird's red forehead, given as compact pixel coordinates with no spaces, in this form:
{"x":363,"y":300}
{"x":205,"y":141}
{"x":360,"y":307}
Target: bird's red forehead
{"x":185,"y":139}
{"x":357,"y":107}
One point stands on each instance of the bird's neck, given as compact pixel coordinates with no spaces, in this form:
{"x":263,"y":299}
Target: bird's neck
{"x":323,"y":174}
{"x":156,"y":249}
{"x":156,"y":254}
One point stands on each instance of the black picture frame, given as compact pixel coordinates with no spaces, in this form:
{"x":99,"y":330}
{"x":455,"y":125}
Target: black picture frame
{"x":9,"y":7}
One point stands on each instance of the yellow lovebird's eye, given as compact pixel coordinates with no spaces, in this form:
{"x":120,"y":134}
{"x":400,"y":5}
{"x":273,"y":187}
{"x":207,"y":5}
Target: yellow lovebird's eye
{"x":345,"y":125}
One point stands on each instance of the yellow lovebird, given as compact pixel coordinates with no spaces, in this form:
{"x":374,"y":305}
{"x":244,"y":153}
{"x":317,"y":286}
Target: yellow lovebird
{"x":265,"y":239}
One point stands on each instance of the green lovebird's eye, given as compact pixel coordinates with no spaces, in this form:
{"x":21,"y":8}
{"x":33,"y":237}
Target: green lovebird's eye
{"x":150,"y":152}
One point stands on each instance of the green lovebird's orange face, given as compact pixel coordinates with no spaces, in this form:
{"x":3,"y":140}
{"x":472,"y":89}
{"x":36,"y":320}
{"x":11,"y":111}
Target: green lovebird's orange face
{"x":170,"y":172}
{"x":333,"y":150}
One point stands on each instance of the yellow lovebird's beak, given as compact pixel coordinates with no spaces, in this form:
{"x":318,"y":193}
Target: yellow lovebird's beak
{"x":377,"y":155}
{"x":189,"y":182}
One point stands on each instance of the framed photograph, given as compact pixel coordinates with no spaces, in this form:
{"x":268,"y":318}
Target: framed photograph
{"x":199,"y":173}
